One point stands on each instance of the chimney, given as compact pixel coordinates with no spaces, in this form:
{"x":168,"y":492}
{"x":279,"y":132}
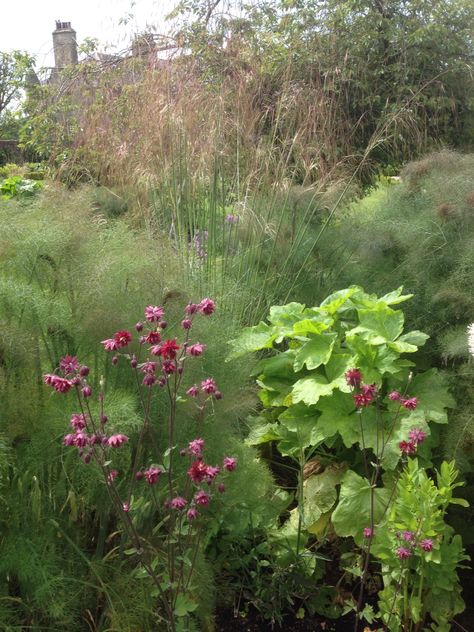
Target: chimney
{"x":65,"y":45}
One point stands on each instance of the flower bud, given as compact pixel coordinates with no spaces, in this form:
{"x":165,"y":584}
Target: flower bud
{"x":115,"y":360}
{"x":86,"y":391}
{"x":139,"y":326}
{"x":84,"y":371}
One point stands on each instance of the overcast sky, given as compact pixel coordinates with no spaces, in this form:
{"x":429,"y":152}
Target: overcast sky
{"x":28,"y":24}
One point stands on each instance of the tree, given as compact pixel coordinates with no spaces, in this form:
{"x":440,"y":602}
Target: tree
{"x":15,"y":70}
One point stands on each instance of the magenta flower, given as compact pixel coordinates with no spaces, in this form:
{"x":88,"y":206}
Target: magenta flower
{"x":169,"y":367}
{"x":178,"y":503}
{"x":86,"y":391}
{"x":78,"y":421}
{"x":353,"y":377}
{"x":84,"y":371}
{"x":361,"y":400}
{"x":410,"y":404}
{"x":426,"y":545}
{"x":202,"y":498}
{"x":110,"y":344}
{"x":198,"y":471}
{"x":192,"y":513}
{"x":148,"y":367}
{"x":152,"y":338}
{"x":207,"y":306}
{"x":369,"y":390}
{"x":209,"y":386}
{"x":152,"y":474}
{"x":126,"y":507}
{"x":69,"y":439}
{"x":80,"y":440}
{"x":212,"y":472}
{"x":139,"y":327}
{"x":134,"y":361}
{"x":112,"y":476}
{"x":221,"y":488}
{"x":123,"y":338}
{"x":169,"y":349}
{"x":403,"y":553}
{"x":191,"y":308}
{"x":149,"y":379}
{"x":60,"y":384}
{"x":230,"y":463}
{"x":153,"y":313}
{"x":117,"y":440}
{"x":193,"y":391}
{"x":231,"y":218}
{"x":196,"y":349}
{"x":196,"y":447}
{"x":395,"y":396}
{"x":408,"y":536}
{"x":417,"y":435}
{"x":407,"y":447}
{"x":368,"y":532}
{"x":95,"y":439}
{"x":68,"y":364}
{"x":187,"y":323}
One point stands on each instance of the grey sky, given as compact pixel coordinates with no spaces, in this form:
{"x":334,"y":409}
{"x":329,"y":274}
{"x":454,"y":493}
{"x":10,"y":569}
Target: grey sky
{"x":28,"y":24}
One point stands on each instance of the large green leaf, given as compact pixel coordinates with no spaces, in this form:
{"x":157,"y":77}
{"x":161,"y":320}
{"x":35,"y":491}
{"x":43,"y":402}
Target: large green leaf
{"x":353,"y":511}
{"x":315,"y":352}
{"x":286,"y":314}
{"x":320,"y":493}
{"x":262,"y":431}
{"x":252,"y":339}
{"x":433,"y":397}
{"x":311,"y":326}
{"x":338,"y":416}
{"x":335,"y":301}
{"x":383,"y":321}
{"x":336,"y":368}
{"x":279,"y":365}
{"x":395,"y":297}
{"x":298,"y":424}
{"x":310,"y":389}
{"x":275,"y":389}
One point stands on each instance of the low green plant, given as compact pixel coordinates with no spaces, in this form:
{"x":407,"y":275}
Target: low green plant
{"x":18,"y":186}
{"x":420,"y":554}
{"x":343,"y":404}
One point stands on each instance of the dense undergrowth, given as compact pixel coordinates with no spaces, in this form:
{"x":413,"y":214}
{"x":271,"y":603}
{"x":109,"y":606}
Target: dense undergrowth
{"x":80,"y":264}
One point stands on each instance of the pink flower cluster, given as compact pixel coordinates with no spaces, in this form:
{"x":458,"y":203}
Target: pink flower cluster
{"x":199,"y":473}
{"x":366,"y":393}
{"x":74,"y":375}
{"x":415,"y":437}
{"x":410,"y":404}
{"x":171,"y":355}
{"x":406,"y":550}
{"x":85,"y":441}
{"x":208,"y":386}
